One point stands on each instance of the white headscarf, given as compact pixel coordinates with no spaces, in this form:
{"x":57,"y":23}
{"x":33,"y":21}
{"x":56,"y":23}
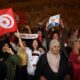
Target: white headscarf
{"x":53,"y":59}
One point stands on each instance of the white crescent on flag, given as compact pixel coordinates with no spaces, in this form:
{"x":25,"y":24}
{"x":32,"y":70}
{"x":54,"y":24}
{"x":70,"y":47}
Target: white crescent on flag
{"x":6,"y":21}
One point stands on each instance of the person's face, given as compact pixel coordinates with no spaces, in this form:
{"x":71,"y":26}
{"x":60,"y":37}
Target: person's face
{"x":35,"y":44}
{"x":5,"y":47}
{"x":55,"y":36}
{"x":39,"y":33}
{"x":77,"y":44}
{"x":55,"y":49}
{"x":24,"y":43}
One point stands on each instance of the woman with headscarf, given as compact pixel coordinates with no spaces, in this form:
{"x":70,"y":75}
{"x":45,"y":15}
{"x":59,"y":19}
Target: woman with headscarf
{"x":53,"y":65}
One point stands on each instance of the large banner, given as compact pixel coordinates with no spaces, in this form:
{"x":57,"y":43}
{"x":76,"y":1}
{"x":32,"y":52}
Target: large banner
{"x":7,"y":21}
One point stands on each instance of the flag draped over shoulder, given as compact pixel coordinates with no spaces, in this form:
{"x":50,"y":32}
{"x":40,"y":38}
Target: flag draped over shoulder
{"x":7,"y":21}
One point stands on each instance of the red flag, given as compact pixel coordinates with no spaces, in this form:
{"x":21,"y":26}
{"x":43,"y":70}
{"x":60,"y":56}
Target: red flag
{"x":7,"y":21}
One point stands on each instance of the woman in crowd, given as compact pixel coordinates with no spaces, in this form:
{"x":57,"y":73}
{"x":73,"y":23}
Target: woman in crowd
{"x":23,"y":52}
{"x":53,"y":65}
{"x":73,"y":34}
{"x":10,"y":59}
{"x":33,"y":59}
{"x":75,"y":59}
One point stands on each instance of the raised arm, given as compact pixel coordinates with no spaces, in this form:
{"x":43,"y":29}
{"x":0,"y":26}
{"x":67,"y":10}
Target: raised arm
{"x":27,"y":27}
{"x":20,"y":40}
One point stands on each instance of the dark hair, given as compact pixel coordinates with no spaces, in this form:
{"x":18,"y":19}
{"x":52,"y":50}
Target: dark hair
{"x":39,"y":44}
{"x":16,"y":40}
{"x":3,"y":43}
{"x":55,"y":32}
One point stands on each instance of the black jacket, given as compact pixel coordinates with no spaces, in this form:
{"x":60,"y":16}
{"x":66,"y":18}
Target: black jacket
{"x":44,"y":69}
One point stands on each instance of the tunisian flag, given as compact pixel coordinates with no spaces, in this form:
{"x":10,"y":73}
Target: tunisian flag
{"x":7,"y":21}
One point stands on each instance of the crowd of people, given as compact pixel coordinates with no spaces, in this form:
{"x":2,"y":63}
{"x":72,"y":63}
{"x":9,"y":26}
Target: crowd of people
{"x":54,"y":56}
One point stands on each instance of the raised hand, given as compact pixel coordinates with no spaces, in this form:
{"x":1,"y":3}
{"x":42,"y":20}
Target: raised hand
{"x":61,"y":23}
{"x":9,"y":50}
{"x":17,"y":34}
{"x":27,"y":27}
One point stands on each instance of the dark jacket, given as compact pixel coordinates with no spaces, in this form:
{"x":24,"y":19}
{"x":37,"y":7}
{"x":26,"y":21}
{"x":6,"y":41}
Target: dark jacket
{"x":43,"y":69}
{"x":10,"y":62}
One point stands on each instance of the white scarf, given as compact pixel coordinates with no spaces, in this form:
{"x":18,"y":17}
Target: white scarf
{"x":53,"y":61}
